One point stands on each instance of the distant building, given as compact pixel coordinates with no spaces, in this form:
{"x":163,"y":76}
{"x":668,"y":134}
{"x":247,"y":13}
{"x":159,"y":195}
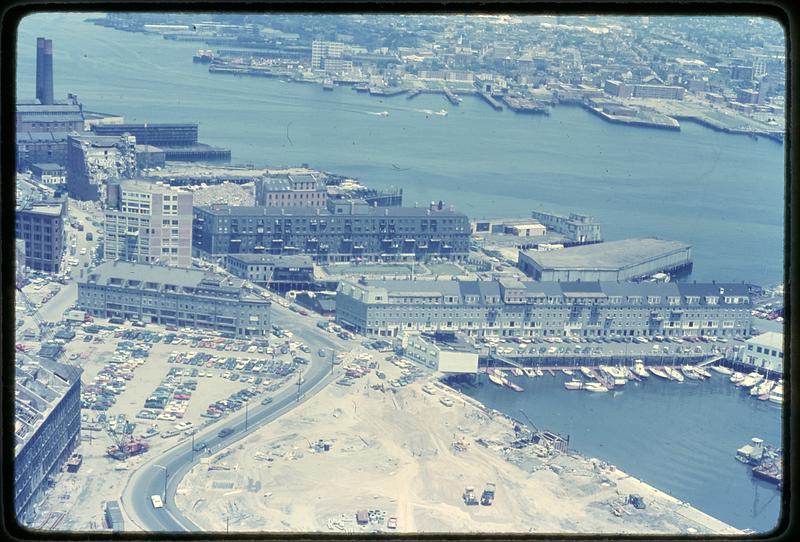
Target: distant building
{"x":517,"y":227}
{"x":177,"y":296}
{"x":322,"y":50}
{"x":44,"y":71}
{"x":345,"y":231}
{"x":177,"y":141}
{"x":41,"y":147}
{"x":747,"y":96}
{"x":512,"y":308}
{"x":61,"y":117}
{"x":624,"y":260}
{"x":148,"y":222}
{"x":293,"y":190}
{"x":149,"y":157}
{"x":92,"y":160}
{"x":49,"y":173}
{"x":41,"y":226}
{"x":47,"y":423}
{"x":659,"y":92}
{"x":280,"y":273}
{"x":618,"y":89}
{"x":576,"y":227}
{"x":452,"y":356}
{"x":765,"y":352}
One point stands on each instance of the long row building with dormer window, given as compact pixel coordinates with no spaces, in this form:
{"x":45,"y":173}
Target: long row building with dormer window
{"x":177,"y":296}
{"x":513,"y":308}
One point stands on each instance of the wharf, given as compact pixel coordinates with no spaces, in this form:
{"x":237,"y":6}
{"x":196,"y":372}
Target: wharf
{"x":525,"y":105}
{"x":375,"y":91}
{"x":661,"y":122}
{"x":491,"y":101}
{"x":413,"y":94}
{"x":450,"y":95}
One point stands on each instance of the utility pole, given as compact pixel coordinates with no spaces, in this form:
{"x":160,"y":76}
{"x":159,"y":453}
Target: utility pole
{"x":333,"y":354}
{"x":193,"y":446}
{"x":245,"y":415}
{"x":299,"y":383}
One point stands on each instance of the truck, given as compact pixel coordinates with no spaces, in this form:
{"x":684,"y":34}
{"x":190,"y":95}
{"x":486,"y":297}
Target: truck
{"x":135,"y":446}
{"x":469,"y":496}
{"x":157,"y":502}
{"x":487,"y":497}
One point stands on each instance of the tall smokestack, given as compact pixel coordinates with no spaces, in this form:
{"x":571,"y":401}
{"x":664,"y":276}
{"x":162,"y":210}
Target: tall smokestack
{"x":44,"y":71}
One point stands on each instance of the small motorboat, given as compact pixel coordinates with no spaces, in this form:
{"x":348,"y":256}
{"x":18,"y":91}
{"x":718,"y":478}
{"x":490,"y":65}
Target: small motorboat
{"x":689,"y":372}
{"x":722,"y":370}
{"x":674,"y":373}
{"x":752,"y":379}
{"x":776,"y":395}
{"x":659,"y":372}
{"x":737,"y":378}
{"x":573,"y":385}
{"x":595,"y":387}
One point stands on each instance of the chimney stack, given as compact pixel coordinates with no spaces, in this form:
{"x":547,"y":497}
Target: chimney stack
{"x":44,"y":71}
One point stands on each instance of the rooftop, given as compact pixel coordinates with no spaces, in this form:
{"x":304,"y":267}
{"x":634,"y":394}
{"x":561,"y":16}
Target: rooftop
{"x":607,"y":255}
{"x":290,"y":260}
{"x":255,"y":211}
{"x":770,"y":339}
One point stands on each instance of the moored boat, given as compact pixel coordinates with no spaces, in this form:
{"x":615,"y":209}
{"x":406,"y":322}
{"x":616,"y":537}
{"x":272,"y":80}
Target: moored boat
{"x":674,"y":373}
{"x":514,"y":387}
{"x":776,"y":395}
{"x":620,"y":381}
{"x":659,"y":372}
{"x":588,"y":373}
{"x":702,"y":371}
{"x":529,"y":372}
{"x":500,"y":381}
{"x":639,"y":369}
{"x":751,"y":379}
{"x":722,"y":370}
{"x":763,"y":389}
{"x":737,"y":378}
{"x":568,"y":372}
{"x":517,"y":371}
{"x":595,"y":387}
{"x":539,"y":372}
{"x":689,"y":372}
{"x":573,"y":385}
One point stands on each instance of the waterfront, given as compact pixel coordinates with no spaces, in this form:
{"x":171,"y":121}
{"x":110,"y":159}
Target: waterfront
{"x":678,"y":437}
{"x":721,"y":193}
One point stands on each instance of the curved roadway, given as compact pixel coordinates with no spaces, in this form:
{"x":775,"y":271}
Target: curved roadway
{"x":175,"y":462}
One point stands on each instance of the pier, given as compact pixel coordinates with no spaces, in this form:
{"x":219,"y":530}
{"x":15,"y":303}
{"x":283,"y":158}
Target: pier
{"x":452,"y":98}
{"x":491,"y":101}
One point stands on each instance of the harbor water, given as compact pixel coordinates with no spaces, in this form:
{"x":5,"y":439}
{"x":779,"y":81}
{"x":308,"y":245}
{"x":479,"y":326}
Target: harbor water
{"x":678,"y":437}
{"x":721,"y":193}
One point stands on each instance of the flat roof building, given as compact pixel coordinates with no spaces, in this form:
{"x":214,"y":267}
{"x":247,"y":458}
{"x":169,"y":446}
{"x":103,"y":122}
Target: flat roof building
{"x":177,"y":296}
{"x":577,"y":227}
{"x":41,"y":225}
{"x":624,"y":260}
{"x":765,"y":352}
{"x":280,"y":273}
{"x":47,"y":422}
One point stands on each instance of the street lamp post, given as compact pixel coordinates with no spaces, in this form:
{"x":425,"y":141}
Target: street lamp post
{"x":165,"y":481}
{"x":245,"y":416}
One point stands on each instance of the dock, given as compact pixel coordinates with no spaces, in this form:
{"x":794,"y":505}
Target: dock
{"x":413,"y":94}
{"x":525,"y":105}
{"x":491,"y":101}
{"x":450,"y":95}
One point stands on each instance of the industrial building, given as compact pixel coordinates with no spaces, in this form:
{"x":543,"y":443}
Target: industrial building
{"x":38,"y":147}
{"x":60,"y":117}
{"x":177,"y":141}
{"x":512,"y":308}
{"x":279,"y":273}
{"x":292,"y":190}
{"x":576,"y":227}
{"x":176,"y":296}
{"x":41,"y":225}
{"x":450,"y":355}
{"x":344,"y":231}
{"x":660,"y":92}
{"x":629,"y":259}
{"x":148,"y":222}
{"x":765,"y":352}
{"x":92,"y":160}
{"x":47,"y":423}
{"x":504,"y":226}
{"x":47,"y":173}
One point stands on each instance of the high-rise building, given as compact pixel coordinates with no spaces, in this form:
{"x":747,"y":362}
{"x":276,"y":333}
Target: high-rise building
{"x":41,"y":226}
{"x":148,"y":222}
{"x":322,"y":50}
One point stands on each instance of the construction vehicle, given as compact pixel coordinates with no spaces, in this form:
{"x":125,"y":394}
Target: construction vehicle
{"x":469,"y":496}
{"x":636,"y":500}
{"x":127,"y":448}
{"x":487,"y":497}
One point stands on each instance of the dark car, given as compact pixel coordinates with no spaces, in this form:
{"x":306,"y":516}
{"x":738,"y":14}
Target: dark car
{"x":266,"y":400}
{"x":225,"y":432}
{"x":199,"y":446}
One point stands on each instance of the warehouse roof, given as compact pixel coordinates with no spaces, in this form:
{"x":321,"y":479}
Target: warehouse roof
{"x":290,"y":260}
{"x":607,"y":255}
{"x":770,"y":339}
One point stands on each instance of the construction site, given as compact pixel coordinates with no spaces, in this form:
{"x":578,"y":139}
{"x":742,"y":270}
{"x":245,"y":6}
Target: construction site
{"x":368,"y":458}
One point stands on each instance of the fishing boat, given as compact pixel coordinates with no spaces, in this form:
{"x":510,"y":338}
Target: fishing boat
{"x":762,"y":389}
{"x":689,"y":372}
{"x":595,"y":387}
{"x":659,"y":372}
{"x":514,"y":387}
{"x":776,"y":395}
{"x":639,"y":369}
{"x":673,"y":373}
{"x":573,"y":385}
{"x":722,"y":370}
{"x":751,"y":379}
{"x":737,"y":378}
{"x":529,"y":372}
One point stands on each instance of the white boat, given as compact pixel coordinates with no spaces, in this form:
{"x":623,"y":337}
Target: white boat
{"x":528,"y":371}
{"x":441,"y":112}
{"x":752,"y":379}
{"x":587,"y":372}
{"x":673,"y":373}
{"x":763,"y":388}
{"x":568,"y":372}
{"x":595,"y":387}
{"x":639,"y":369}
{"x":737,"y":378}
{"x":776,"y":395}
{"x":500,"y":381}
{"x":539,"y":372}
{"x":573,"y":385}
{"x":722,"y":370}
{"x":702,"y":371}
{"x":659,"y":372}
{"x":514,"y":387}
{"x":517,"y":371}
{"x":689,"y":372}
{"x":620,"y":381}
